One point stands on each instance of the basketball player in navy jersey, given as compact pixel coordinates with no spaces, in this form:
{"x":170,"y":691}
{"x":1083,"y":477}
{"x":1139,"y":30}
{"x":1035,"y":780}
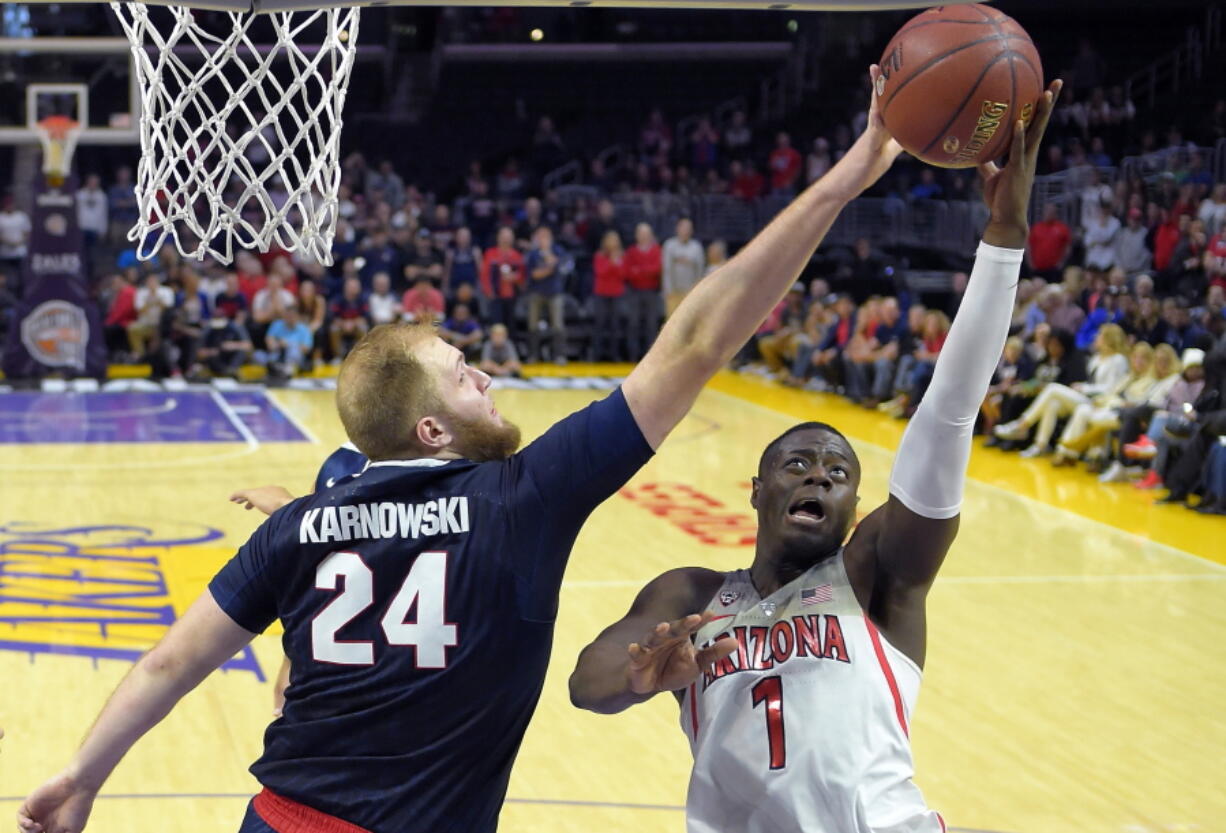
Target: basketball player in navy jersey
{"x":797,"y":676}
{"x":418,"y":599}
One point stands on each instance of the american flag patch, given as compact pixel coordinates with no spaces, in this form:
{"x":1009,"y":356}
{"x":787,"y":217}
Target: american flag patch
{"x":817,"y":595}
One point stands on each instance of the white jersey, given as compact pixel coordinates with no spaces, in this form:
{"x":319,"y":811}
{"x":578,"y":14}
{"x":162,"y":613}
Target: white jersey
{"x":804,"y":727}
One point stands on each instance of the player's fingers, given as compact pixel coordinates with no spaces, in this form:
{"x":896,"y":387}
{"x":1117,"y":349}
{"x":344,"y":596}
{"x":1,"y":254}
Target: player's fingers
{"x":669,"y":632}
{"x":874,"y":72}
{"x":1017,"y":156}
{"x":25,"y":822}
{"x":692,"y":623}
{"x":715,"y":652}
{"x":1047,"y":105}
{"x":988,"y":170}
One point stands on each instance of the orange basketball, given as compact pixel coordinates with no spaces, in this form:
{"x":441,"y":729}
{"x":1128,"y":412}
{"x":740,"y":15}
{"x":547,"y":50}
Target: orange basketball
{"x":955,"y":80}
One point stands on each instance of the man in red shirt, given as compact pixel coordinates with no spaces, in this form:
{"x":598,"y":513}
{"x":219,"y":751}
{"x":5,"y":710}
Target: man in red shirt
{"x":251,"y":277}
{"x":609,"y":266}
{"x":644,"y":267}
{"x":747,"y":183}
{"x":1174,"y":227}
{"x":423,"y":302}
{"x":502,"y":277}
{"x":785,"y":166}
{"x":1048,"y":246}
{"x":1215,"y":260}
{"x":121,"y":313}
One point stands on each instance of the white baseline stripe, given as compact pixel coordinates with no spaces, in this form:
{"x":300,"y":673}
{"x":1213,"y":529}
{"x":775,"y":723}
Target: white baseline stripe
{"x":1157,"y":578}
{"x":97,"y":416}
{"x":1186,"y":556}
{"x":235,"y":420}
{"x":293,"y":420}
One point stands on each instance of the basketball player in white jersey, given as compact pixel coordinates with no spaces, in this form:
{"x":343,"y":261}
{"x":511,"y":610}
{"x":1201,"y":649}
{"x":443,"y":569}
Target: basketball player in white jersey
{"x":798,"y":683}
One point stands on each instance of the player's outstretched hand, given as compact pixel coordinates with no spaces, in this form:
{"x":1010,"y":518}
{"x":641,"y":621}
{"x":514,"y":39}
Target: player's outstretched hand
{"x":667,"y":660}
{"x":59,"y":806}
{"x":1007,"y":190}
{"x":879,"y":146}
{"x":267,"y":499}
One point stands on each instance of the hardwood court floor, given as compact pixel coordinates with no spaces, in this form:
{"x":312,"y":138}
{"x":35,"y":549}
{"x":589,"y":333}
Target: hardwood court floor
{"x":1075,"y":673}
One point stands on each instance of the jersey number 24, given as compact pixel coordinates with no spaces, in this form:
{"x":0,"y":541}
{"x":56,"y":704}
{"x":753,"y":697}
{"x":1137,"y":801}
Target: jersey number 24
{"x":430,"y":634}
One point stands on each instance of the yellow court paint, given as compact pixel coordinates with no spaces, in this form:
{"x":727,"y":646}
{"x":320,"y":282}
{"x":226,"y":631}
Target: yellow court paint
{"x":1073,"y":680}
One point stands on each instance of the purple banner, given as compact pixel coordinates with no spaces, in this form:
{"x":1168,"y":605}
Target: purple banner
{"x":58,"y":328}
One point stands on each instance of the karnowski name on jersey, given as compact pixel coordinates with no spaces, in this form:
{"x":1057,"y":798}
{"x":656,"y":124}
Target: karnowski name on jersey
{"x":442,"y":516}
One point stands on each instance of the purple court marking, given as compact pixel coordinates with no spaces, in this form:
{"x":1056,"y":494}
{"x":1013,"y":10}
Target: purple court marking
{"x":267,"y":422}
{"x":143,"y":417}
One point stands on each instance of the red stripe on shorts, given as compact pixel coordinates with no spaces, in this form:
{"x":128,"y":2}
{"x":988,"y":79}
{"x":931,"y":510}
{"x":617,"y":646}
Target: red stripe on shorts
{"x":285,"y":816}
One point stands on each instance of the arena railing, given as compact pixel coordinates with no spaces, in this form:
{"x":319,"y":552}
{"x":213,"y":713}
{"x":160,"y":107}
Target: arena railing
{"x":948,"y":227}
{"x":1183,"y":64}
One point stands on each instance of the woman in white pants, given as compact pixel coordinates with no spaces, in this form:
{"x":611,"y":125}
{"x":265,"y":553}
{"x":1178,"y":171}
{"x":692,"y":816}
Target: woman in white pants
{"x":1107,"y":367}
{"x":1091,"y":422}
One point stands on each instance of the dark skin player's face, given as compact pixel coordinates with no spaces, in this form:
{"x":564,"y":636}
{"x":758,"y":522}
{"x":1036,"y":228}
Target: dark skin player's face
{"x":805,"y":494}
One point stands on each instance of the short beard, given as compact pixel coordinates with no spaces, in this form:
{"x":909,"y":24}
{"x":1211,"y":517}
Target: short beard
{"x":483,"y":440}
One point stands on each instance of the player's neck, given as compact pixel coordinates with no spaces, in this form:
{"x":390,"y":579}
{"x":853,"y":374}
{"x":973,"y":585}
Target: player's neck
{"x":773,"y":568}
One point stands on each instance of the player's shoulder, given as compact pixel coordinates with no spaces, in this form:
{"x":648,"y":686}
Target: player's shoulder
{"x":684,"y":589}
{"x":345,"y":461}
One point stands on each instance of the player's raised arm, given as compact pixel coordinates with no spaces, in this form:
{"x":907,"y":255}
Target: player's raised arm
{"x":904,"y":543}
{"x":727,"y":306}
{"x":196,"y":645}
{"x":267,"y":499}
{"x":650,"y":649}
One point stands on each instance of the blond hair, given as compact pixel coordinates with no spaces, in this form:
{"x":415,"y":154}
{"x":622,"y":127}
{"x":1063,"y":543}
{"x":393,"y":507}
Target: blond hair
{"x":1145,"y":351}
{"x":1165,"y":354}
{"x":1114,"y":338}
{"x":384,"y":388}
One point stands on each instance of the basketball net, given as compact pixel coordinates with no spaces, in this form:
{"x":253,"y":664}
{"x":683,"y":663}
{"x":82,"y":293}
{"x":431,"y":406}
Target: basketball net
{"x":240,"y":146}
{"x":58,"y":135}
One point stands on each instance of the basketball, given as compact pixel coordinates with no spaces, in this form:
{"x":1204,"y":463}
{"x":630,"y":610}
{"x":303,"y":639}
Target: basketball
{"x":955,"y":80}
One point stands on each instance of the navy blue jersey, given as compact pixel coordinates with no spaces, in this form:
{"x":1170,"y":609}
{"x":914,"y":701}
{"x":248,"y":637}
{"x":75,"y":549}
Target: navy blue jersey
{"x":418,"y":600}
{"x":342,"y":463}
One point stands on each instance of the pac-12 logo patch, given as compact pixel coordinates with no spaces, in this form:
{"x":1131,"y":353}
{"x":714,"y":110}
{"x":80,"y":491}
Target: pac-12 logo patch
{"x":727,"y":597}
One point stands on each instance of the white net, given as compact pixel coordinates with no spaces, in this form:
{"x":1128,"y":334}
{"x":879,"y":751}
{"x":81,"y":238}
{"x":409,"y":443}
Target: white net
{"x":240,"y":144}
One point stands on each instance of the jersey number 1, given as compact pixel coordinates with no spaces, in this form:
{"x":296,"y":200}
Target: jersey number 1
{"x":425,"y":587}
{"x":769,"y":690}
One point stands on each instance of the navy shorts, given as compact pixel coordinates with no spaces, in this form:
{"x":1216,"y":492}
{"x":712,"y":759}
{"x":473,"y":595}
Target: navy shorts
{"x":252,"y":823}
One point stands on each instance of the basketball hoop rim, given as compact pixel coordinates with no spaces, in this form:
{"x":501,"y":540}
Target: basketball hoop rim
{"x":57,"y":128}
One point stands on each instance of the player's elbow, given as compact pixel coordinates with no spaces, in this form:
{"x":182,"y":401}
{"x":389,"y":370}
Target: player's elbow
{"x":580,"y":693}
{"x":585,"y":689}
{"x":172,"y":668}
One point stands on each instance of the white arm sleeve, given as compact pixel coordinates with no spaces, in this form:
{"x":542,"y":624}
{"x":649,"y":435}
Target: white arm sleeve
{"x":930,"y":468}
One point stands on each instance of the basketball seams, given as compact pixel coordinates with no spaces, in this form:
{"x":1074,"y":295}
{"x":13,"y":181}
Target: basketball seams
{"x":969,"y":95}
{"x":972,"y":51}
{"x":931,"y":62}
{"x":1014,"y":105}
{"x":1034,"y":70}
